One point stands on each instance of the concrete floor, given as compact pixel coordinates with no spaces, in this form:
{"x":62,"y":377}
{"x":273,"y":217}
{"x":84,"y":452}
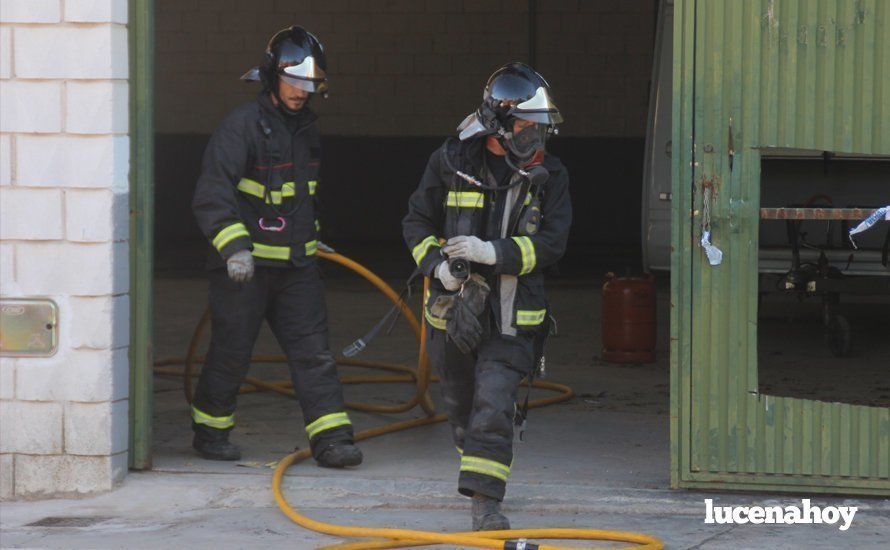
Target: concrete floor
{"x":632,"y":397}
{"x":600,"y":460}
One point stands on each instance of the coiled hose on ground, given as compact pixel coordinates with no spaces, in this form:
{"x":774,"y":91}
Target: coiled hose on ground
{"x":421,"y":378}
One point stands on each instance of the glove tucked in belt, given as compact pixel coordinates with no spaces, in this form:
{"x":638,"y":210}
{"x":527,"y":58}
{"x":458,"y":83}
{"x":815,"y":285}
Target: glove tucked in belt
{"x":462,"y":312}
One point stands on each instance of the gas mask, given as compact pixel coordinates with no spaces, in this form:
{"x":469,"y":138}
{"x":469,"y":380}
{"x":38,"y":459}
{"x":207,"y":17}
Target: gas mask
{"x":525,"y":143}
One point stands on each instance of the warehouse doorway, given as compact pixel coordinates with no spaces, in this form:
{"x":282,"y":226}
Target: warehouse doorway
{"x":402,"y":78}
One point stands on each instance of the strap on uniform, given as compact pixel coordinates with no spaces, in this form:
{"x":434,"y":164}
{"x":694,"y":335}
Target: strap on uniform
{"x":389,"y":318}
{"x":520,"y":418}
{"x":266,"y":129}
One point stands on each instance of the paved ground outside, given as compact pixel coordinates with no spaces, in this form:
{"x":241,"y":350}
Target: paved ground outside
{"x":600,"y":460}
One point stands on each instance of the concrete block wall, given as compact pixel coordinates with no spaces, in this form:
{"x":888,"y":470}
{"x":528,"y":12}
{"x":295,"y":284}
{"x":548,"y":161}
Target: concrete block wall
{"x":410,"y":67}
{"x":64,"y":163}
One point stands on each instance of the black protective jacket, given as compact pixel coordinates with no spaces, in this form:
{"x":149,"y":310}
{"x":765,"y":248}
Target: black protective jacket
{"x":445,"y":205}
{"x":261,"y":169}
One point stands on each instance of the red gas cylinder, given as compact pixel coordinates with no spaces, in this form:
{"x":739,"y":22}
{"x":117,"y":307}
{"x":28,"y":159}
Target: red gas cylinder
{"x":629,"y":319}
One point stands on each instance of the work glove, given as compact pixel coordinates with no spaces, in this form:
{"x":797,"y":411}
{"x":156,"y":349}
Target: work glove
{"x":240,"y":266}
{"x":463,"y":325}
{"x":450,"y":282}
{"x":470,"y":248}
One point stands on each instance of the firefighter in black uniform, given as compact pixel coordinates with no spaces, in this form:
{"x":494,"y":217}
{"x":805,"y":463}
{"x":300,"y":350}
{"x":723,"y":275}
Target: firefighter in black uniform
{"x":256,"y":203}
{"x":501,"y":203}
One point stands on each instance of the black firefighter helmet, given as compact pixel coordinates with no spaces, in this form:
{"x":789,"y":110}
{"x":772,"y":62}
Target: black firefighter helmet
{"x":515,"y":91}
{"x":296,"y":56}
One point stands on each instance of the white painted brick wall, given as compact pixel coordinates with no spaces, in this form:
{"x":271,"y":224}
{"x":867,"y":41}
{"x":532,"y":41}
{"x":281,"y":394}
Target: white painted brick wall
{"x":7,"y":476}
{"x":80,"y":269}
{"x":92,"y":322}
{"x":87,"y":376}
{"x":96,"y":215}
{"x":73,"y":161}
{"x":96,"y":428}
{"x":7,"y":378}
{"x":5,"y":52}
{"x":5,"y":160}
{"x":30,"y":106}
{"x":8,"y":285}
{"x":51,"y":475}
{"x":97,"y":107}
{"x":33,"y":428}
{"x":64,"y":171}
{"x":70,"y":52}
{"x":30,"y":11}
{"x":32,"y":214}
{"x":96,"y":11}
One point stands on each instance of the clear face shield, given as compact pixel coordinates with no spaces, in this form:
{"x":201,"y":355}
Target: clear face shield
{"x":306,"y":75}
{"x":539,"y":108}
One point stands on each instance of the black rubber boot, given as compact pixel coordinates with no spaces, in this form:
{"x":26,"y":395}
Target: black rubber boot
{"x":213,"y":444}
{"x":340,"y":455}
{"x":487,"y":514}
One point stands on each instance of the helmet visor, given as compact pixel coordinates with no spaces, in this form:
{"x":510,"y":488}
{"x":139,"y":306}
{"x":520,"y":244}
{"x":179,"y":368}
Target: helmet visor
{"x":306,"y":75}
{"x":539,"y":108}
{"x":252,"y":75}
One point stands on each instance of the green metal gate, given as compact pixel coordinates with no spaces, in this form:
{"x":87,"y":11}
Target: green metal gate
{"x":804,"y":74}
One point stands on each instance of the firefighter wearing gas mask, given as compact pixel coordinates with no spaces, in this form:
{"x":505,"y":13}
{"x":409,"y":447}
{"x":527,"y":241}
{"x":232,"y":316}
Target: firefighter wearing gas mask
{"x":500,"y":204}
{"x":255,"y":201}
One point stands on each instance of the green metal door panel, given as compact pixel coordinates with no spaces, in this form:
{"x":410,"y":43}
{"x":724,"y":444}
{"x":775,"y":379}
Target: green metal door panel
{"x":141,"y":37}
{"x":681,"y":239}
{"x":824,"y":68}
{"x":748,"y":75}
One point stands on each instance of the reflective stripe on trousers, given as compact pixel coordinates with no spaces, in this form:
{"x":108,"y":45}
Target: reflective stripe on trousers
{"x":218,"y":422}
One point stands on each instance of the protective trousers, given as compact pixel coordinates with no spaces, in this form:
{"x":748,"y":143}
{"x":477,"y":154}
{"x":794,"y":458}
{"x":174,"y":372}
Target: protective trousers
{"x":292,"y":301}
{"x":479,"y":391}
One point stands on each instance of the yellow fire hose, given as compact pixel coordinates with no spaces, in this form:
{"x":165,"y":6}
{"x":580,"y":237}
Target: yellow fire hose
{"x":421,"y":378}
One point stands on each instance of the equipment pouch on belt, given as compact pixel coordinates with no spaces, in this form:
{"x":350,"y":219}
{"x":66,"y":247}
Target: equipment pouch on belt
{"x":463,"y":324}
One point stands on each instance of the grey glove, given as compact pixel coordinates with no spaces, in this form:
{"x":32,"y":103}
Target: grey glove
{"x":450,"y":282}
{"x":240,"y":266}
{"x":464,"y":325}
{"x":471,"y":248}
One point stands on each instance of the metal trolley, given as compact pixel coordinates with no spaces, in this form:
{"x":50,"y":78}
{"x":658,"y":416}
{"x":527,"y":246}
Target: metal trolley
{"x":822,"y":279}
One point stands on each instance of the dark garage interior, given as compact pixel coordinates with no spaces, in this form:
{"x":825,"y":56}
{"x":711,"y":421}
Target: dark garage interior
{"x":403,"y":74}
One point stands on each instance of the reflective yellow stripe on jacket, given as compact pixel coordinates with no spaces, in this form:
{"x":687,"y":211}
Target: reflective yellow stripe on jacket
{"x":218,"y":422}
{"x":229,"y":234}
{"x":327,"y":422}
{"x":271,"y":252}
{"x":530,"y":318}
{"x":527,"y":249}
{"x":257,"y":189}
{"x":465,"y":199}
{"x":484,"y":466}
{"x":419,"y":252}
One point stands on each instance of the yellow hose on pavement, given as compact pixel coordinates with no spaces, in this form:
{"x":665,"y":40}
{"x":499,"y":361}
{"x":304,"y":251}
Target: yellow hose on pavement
{"x":421,"y":378}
